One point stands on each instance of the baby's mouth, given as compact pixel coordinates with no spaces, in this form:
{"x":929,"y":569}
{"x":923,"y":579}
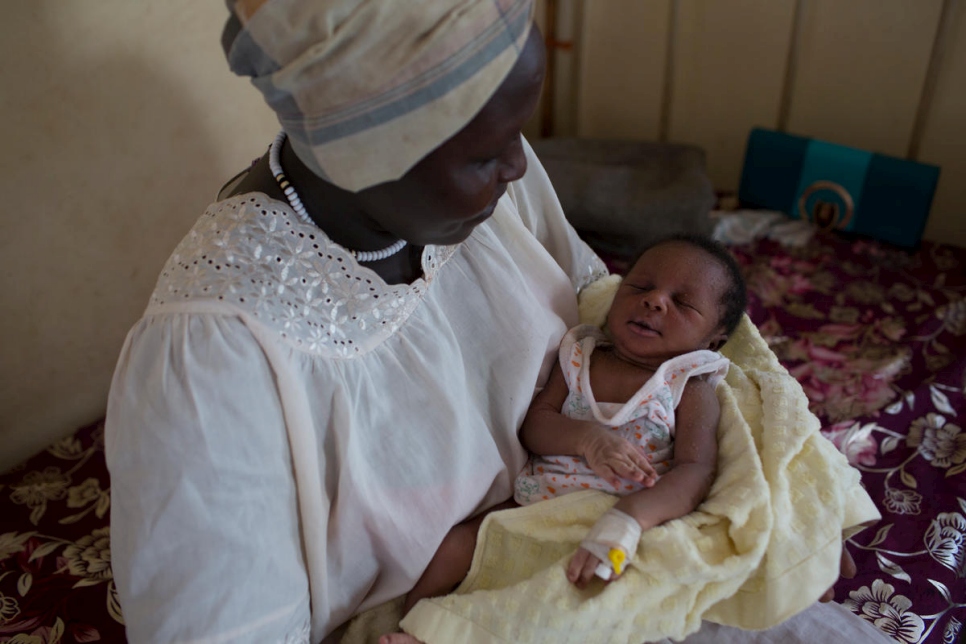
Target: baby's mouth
{"x":644,"y":327}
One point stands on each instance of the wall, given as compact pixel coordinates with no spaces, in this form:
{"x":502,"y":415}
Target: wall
{"x":885,"y":75}
{"x":120,"y":120}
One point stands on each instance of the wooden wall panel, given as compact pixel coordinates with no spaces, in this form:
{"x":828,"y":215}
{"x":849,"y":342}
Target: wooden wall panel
{"x":534,"y":125}
{"x":623,"y":49}
{"x":567,"y":56}
{"x":729,"y":66}
{"x":944,"y":138}
{"x":858,"y":78}
{"x":861,"y":69}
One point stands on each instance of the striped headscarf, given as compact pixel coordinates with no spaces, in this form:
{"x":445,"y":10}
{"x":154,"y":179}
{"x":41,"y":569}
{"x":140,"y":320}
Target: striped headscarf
{"x":366,"y":88}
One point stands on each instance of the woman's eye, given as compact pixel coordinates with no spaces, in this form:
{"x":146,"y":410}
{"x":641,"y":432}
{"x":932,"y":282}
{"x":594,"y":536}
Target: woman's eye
{"x":489,"y":159}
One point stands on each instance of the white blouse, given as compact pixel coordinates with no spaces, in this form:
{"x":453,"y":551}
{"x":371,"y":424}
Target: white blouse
{"x":289,"y":438}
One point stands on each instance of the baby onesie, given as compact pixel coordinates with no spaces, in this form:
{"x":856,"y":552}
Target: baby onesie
{"x":647,"y":419}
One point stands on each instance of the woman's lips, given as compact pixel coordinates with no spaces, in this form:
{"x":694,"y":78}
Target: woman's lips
{"x":487,"y":212}
{"x":496,"y":199}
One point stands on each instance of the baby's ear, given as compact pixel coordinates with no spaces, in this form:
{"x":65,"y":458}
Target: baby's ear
{"x":718,"y":341}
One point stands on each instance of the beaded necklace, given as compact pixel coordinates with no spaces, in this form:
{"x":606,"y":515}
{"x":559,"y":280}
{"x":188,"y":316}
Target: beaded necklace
{"x":293,"y":199}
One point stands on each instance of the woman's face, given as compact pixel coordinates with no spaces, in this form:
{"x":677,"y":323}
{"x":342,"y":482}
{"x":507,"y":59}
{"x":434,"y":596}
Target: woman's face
{"x":455,"y":188}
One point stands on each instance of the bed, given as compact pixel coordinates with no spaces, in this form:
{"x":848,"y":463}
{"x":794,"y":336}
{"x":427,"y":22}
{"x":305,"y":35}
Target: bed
{"x":876,"y":336}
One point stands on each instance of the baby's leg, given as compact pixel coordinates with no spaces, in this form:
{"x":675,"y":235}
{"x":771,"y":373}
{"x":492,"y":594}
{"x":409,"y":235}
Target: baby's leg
{"x":448,"y":566}
{"x":446,"y":569}
{"x":452,"y":559}
{"x":398,"y":638}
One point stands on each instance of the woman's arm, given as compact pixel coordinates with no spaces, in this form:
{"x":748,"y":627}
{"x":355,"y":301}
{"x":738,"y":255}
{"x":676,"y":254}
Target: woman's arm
{"x":204,"y":519}
{"x":547,"y":432}
{"x":540,"y":212}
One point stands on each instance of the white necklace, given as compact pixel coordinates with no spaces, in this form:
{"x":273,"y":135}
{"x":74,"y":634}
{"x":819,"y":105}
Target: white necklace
{"x":293,"y":199}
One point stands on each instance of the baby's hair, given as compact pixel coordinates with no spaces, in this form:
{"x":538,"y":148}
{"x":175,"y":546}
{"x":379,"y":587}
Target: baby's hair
{"x":735,"y":298}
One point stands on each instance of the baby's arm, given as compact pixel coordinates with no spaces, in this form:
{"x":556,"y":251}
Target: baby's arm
{"x":681,"y":489}
{"x":548,"y":432}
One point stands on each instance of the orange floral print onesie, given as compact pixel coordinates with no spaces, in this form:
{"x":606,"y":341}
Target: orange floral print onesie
{"x":647,"y":419}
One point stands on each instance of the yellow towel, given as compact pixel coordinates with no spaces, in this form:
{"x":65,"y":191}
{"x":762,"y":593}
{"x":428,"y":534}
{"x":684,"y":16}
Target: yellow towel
{"x":763,"y":546}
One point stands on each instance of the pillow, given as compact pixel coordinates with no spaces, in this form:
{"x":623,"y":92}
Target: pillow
{"x":623,"y":195}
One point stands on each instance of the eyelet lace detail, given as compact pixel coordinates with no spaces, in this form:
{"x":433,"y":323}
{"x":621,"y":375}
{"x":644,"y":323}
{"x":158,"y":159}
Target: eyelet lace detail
{"x":252,"y":253}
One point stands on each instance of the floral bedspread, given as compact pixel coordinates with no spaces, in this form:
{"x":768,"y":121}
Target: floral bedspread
{"x":55,"y":562}
{"x":877,"y":338}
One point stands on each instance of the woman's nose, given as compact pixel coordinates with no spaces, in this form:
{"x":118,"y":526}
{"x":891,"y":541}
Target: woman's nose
{"x":513,"y":165}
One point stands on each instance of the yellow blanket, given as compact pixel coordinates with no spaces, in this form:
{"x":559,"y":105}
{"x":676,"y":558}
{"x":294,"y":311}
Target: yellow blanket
{"x":763,"y":546}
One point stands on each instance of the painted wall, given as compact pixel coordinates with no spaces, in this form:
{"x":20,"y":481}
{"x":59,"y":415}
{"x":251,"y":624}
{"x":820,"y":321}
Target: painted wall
{"x":120,"y":120}
{"x":884,"y":75}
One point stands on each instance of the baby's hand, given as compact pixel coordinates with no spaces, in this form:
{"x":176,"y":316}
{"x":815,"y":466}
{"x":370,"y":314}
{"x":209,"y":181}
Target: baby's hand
{"x":613,"y":458}
{"x":582,"y":568}
{"x":615,"y":536}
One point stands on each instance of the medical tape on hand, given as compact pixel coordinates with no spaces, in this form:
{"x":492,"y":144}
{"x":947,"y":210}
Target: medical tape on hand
{"x":613,"y":540}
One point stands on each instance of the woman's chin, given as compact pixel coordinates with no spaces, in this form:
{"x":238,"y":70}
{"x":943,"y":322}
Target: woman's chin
{"x":457,"y":234}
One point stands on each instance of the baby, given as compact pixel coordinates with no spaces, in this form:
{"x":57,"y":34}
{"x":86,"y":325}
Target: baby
{"x":633,"y":412}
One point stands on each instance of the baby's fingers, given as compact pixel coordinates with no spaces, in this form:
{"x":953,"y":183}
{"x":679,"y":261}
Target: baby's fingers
{"x":608,"y":473}
{"x":576,"y":565}
{"x":634,"y":466}
{"x":581,"y":568}
{"x":628,"y":469}
{"x":642,"y":461}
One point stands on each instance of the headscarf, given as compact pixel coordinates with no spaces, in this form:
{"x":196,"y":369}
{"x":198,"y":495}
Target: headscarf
{"x":366,"y":88}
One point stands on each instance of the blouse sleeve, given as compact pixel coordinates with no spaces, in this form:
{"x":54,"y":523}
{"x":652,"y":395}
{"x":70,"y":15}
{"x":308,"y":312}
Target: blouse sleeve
{"x":542,"y":214}
{"x":204,"y":524}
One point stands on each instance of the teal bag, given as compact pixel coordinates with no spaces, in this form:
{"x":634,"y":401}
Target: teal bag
{"x":838,"y":187}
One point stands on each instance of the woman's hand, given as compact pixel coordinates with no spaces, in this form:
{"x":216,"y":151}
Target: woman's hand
{"x":614,"y":458}
{"x":847,"y":570}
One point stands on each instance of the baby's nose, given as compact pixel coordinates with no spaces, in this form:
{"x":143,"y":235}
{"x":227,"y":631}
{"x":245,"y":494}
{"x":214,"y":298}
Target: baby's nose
{"x":655,"y":299}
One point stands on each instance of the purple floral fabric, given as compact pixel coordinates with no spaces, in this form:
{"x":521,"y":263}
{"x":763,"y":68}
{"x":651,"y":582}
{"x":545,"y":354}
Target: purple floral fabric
{"x":55,"y":562}
{"x":877,"y":338}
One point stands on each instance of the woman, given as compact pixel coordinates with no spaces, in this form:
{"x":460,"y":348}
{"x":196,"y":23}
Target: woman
{"x":293,"y":430}
{"x":335,"y":361}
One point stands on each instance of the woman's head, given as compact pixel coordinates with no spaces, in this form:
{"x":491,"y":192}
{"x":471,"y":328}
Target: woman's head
{"x":366,"y":88}
{"x":682,"y":294}
{"x":456,"y":186}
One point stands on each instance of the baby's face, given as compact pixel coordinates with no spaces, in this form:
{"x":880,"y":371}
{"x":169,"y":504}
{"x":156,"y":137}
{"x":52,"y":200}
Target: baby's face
{"x":669,"y":304}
